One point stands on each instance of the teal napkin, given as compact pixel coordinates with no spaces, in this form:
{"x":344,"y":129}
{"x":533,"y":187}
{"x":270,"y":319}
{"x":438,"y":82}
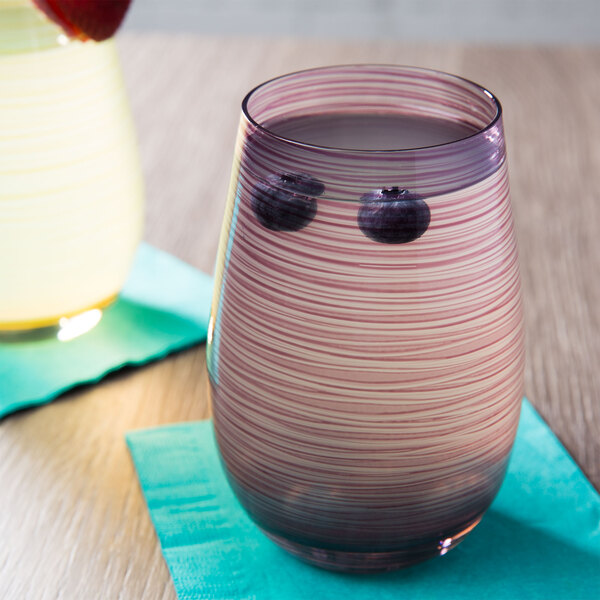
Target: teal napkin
{"x":164,"y":306}
{"x":540,"y":539}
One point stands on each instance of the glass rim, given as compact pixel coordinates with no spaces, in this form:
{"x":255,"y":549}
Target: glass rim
{"x":476,"y":86}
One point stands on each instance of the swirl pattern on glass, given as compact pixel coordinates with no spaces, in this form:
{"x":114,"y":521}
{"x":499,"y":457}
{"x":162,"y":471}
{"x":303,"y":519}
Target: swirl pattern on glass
{"x":366,"y":395}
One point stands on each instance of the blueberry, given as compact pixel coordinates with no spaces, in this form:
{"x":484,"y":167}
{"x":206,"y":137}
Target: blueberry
{"x":286,"y":202}
{"x":393,"y":216}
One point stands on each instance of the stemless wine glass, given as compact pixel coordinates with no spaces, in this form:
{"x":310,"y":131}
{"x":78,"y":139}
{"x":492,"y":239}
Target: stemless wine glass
{"x":71,"y":191}
{"x":365,"y":345}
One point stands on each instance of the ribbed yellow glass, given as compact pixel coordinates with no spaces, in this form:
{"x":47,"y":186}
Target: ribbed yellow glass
{"x":71,"y":194}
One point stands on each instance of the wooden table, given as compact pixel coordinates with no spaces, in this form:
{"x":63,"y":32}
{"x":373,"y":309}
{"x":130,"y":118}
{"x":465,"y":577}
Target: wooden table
{"x":73,"y":524}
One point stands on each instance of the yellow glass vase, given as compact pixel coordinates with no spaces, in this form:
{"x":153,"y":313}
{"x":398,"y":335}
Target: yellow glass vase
{"x":71,"y":193}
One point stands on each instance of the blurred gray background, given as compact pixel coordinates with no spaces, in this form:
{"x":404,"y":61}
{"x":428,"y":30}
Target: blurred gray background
{"x":493,"y":21}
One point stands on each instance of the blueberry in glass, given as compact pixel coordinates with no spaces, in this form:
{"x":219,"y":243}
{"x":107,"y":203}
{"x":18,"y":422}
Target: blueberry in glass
{"x":286,"y":202}
{"x":393,"y":216}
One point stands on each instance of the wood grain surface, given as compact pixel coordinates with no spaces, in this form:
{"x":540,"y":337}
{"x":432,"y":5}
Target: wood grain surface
{"x":73,"y":524}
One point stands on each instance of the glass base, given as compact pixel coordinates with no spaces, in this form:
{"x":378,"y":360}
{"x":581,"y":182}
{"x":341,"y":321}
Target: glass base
{"x":371,"y":562}
{"x":78,"y":322}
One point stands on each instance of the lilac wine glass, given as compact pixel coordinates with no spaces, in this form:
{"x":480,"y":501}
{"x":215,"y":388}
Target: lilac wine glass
{"x":366,"y":340}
